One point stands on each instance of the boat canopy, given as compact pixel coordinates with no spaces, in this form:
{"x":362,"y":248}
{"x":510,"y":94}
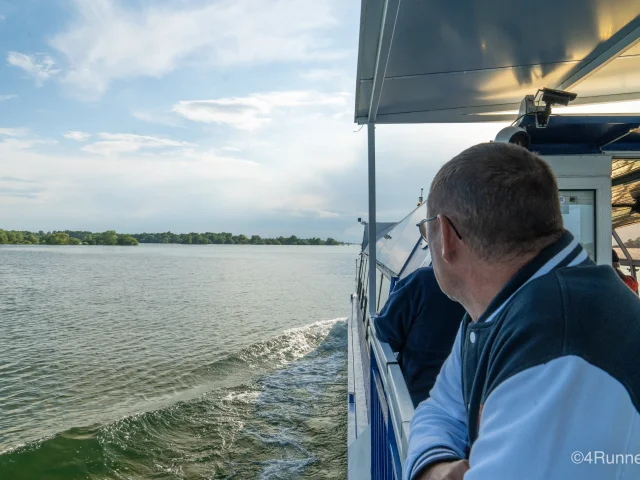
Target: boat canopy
{"x":429,"y":61}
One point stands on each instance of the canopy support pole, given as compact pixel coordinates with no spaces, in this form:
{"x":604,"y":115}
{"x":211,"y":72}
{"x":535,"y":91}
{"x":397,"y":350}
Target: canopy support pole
{"x":627,"y":255}
{"x":387,"y":29}
{"x":371,"y":133}
{"x":617,"y":46}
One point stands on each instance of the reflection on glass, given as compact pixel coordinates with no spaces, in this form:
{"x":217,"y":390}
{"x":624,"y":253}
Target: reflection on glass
{"x":383,"y":291}
{"x":578,"y":213}
{"x":421,"y":258}
{"x":394,"y":249}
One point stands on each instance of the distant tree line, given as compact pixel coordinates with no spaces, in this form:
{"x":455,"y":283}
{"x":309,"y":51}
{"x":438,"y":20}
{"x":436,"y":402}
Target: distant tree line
{"x":66,"y":237}
{"x":632,"y":243}
{"x":110,"y":237}
{"x":226,"y":238}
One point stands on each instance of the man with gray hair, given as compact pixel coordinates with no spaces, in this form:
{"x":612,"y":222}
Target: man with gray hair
{"x":542,"y":381}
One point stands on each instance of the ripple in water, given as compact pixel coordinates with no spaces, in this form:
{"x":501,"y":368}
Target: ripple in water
{"x":170,"y":362}
{"x":288,"y":422}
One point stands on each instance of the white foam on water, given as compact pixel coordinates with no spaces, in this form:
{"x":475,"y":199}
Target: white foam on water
{"x":293,"y":344}
{"x":284,"y":469}
{"x":242,"y":397}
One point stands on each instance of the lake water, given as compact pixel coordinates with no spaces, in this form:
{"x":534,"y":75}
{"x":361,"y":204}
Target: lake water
{"x":171,"y":361}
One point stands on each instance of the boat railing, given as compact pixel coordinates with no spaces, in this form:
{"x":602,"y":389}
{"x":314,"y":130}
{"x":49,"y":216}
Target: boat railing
{"x":391,"y":410}
{"x":389,"y":405}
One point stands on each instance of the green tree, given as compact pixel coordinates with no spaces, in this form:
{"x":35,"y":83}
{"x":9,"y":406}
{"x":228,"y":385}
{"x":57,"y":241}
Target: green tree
{"x":292,"y":240}
{"x":128,"y":240}
{"x":110,"y":237}
{"x":14,"y":237}
{"x":199,"y":239}
{"x":256,"y":240}
{"x":57,"y":238}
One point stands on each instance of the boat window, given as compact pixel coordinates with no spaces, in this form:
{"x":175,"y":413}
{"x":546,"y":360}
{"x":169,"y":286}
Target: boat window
{"x":383,"y":290}
{"x":578,"y":213}
{"x":394,"y":249}
{"x":421,"y":257}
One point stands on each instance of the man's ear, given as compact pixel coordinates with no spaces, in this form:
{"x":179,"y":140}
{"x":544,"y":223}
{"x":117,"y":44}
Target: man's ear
{"x":449,"y":239}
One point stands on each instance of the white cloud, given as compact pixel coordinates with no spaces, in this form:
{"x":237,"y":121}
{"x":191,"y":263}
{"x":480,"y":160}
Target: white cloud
{"x":159,"y":183}
{"x":16,"y":139}
{"x":13,"y":144}
{"x":19,"y":188}
{"x":123,"y":143}
{"x":77,"y":136}
{"x":12,"y":132}
{"x":311,"y":166}
{"x":40,"y":66}
{"x":7,"y":97}
{"x":255,"y":111}
{"x":326,"y":75}
{"x":162,"y":118}
{"x":326,"y":214}
{"x":7,"y":178}
{"x":112,"y":40}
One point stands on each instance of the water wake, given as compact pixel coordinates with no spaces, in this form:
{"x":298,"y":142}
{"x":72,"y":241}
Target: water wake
{"x":274,"y":410}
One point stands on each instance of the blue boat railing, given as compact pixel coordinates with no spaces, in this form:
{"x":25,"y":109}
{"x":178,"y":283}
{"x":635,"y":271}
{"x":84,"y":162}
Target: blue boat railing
{"x":389,"y":405}
{"x":391,"y":410}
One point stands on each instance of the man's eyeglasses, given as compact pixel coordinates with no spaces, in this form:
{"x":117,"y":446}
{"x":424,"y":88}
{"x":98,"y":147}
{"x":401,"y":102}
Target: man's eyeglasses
{"x":422,"y":226}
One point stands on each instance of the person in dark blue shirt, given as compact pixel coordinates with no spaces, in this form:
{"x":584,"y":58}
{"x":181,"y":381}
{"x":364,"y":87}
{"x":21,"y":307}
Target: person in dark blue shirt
{"x":420,"y":323}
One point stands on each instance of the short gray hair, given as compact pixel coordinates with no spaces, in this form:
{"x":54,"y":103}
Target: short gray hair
{"x":502,"y":198}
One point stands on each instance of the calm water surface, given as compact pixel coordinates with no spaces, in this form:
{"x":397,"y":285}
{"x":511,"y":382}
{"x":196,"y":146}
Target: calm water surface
{"x":171,"y":361}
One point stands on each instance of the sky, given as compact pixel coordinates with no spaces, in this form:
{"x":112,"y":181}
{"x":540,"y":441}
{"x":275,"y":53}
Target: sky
{"x":193,"y":115}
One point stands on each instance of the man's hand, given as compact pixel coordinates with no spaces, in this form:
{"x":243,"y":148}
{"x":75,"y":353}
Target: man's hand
{"x":446,"y":471}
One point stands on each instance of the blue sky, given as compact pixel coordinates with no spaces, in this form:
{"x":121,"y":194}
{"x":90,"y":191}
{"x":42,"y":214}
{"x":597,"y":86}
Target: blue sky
{"x":192,"y":115}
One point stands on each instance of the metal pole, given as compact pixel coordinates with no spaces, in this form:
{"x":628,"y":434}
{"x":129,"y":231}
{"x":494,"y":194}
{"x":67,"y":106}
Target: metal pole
{"x":372,"y":218}
{"x":365,"y":283}
{"x":628,"y":256}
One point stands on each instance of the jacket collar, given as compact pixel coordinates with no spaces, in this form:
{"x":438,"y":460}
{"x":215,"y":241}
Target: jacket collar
{"x":566,"y":252}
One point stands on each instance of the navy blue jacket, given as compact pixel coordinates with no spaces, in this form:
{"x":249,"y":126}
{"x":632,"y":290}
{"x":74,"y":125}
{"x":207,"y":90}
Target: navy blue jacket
{"x":545,"y":384}
{"x":420,"y":322}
